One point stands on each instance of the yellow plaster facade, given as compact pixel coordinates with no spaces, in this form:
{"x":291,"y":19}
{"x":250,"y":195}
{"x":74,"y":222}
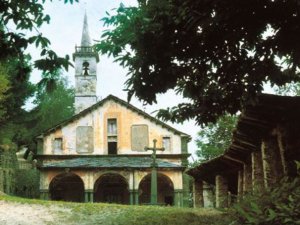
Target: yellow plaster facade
{"x":126,"y":116}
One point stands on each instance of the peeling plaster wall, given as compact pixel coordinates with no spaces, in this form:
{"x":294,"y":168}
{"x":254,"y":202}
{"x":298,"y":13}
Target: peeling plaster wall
{"x":98,"y":119}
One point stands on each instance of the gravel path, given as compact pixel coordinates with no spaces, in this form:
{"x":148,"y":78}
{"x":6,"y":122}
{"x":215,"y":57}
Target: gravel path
{"x":12,"y":213}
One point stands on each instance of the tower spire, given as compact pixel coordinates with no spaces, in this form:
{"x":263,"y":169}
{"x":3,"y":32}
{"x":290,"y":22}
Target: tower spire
{"x":85,"y":38}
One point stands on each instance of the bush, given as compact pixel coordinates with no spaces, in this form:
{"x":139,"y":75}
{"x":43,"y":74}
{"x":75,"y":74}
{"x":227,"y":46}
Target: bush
{"x":27,"y":183}
{"x":276,"y":206}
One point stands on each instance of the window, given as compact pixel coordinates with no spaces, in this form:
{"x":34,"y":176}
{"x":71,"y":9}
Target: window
{"x":84,"y":139}
{"x":57,"y":145}
{"x":166,"y":143}
{"x":112,"y":127}
{"x":139,"y":137}
{"x":112,"y":136}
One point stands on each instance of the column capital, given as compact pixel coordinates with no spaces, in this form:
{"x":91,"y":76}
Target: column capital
{"x":178,"y":190}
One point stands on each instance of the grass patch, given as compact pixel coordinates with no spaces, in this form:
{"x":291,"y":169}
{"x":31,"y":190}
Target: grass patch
{"x":113,"y":214}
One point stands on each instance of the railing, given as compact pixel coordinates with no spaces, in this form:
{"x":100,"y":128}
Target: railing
{"x":84,"y":49}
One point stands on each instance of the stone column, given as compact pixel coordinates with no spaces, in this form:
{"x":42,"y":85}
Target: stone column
{"x":240,"y":185}
{"x":221,"y":192}
{"x":257,"y":171}
{"x":282,"y":150}
{"x":136,"y":197}
{"x":198,"y":194}
{"x":44,"y":194}
{"x":272,"y":166}
{"x":208,"y":196}
{"x":186,"y":179}
{"x":178,"y":197}
{"x":89,"y":195}
{"x":247,"y":178}
{"x":131,"y":197}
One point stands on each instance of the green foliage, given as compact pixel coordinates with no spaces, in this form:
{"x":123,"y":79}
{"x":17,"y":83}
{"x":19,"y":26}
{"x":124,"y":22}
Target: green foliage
{"x":54,"y":107}
{"x":4,"y":87}
{"x":292,"y":89}
{"x":216,"y":54}
{"x":27,"y":16}
{"x":214,"y":139}
{"x":277,"y":206}
{"x":20,"y":89}
{"x":27,"y":183}
{"x":54,"y":100}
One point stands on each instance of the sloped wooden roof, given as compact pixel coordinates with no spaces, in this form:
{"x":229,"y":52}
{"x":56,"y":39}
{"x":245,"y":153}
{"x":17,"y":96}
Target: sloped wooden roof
{"x":255,"y":123}
{"x":119,"y":101}
{"x":259,"y":119}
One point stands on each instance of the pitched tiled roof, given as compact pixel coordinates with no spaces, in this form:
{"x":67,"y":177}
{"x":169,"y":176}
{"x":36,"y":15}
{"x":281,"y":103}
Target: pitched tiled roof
{"x":121,"y":102}
{"x":108,"y":162}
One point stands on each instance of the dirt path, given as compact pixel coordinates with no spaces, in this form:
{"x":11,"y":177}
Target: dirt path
{"x":12,"y":213}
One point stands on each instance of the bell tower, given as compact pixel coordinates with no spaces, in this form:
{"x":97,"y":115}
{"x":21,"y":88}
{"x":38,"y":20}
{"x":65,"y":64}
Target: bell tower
{"x":86,"y":59}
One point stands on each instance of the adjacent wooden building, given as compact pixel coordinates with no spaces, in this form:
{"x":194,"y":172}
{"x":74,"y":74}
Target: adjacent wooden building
{"x":264,"y":146}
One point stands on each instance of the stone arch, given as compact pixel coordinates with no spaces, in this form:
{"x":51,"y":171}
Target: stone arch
{"x":165,"y":189}
{"x":67,"y":187}
{"x":112,"y":188}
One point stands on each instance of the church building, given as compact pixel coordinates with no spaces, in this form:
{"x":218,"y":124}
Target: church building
{"x":98,"y":155}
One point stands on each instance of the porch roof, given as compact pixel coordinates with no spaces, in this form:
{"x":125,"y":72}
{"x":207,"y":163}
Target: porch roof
{"x":107,"y":162}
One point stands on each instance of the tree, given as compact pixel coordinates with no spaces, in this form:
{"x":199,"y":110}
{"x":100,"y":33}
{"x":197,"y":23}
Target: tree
{"x":4,"y":87}
{"x":17,"y":18}
{"x":291,"y":89}
{"x":53,"y":106}
{"x":15,"y":96}
{"x":217,"y":54}
{"x":27,"y":16}
{"x":214,"y":139}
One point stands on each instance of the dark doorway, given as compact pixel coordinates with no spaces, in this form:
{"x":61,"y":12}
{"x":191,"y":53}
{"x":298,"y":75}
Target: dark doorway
{"x":165,"y":190}
{"x":67,"y":187}
{"x":112,"y":148}
{"x":111,"y":188}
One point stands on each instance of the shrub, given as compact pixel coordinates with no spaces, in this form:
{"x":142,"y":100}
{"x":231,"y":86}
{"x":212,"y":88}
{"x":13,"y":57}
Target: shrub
{"x":278,"y":205}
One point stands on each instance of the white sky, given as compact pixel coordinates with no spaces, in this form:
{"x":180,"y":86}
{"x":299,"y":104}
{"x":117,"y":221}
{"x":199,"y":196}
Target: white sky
{"x":64,"y":32}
